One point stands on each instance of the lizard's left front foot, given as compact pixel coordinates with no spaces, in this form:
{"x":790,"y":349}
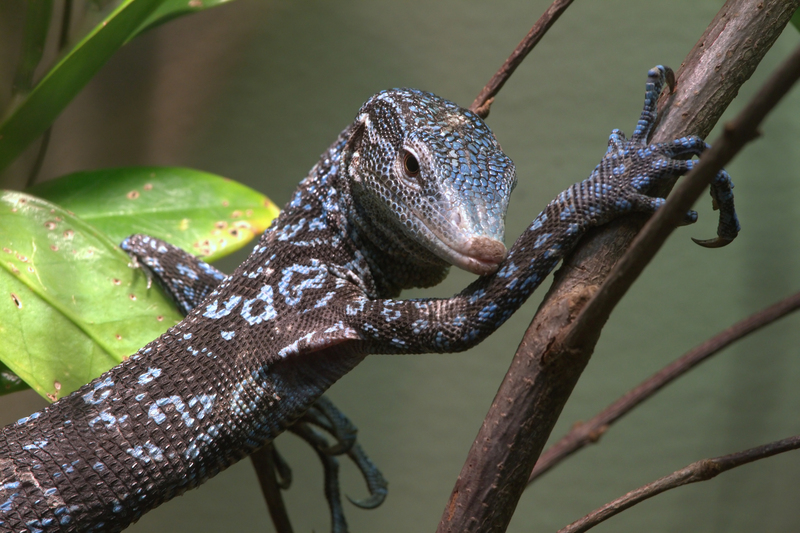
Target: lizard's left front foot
{"x":635,"y":166}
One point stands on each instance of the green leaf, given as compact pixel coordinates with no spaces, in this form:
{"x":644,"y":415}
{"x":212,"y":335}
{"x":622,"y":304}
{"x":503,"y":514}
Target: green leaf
{"x":70,"y":306}
{"x":171,"y":9}
{"x":34,"y":114}
{"x":202,"y":213}
{"x":795,"y":20}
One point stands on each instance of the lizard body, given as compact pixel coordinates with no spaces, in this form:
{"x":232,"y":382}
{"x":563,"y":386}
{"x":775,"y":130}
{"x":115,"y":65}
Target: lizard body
{"x":413,"y":185}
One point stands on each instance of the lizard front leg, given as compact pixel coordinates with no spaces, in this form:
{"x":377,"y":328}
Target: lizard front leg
{"x":617,"y":186}
{"x":188,"y":280}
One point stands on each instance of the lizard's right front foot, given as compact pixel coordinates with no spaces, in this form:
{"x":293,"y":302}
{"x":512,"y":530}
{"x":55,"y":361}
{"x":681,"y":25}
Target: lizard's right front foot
{"x":630,"y":168}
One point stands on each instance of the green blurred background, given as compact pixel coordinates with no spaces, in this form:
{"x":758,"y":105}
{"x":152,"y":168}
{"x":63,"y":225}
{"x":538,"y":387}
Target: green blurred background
{"x":255,"y":90}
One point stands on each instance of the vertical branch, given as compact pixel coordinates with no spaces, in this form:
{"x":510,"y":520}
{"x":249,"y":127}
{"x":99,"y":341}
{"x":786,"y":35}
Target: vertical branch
{"x":545,"y":369}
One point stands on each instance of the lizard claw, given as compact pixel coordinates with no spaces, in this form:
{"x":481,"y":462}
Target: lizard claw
{"x":376,"y":483}
{"x":716,"y":242}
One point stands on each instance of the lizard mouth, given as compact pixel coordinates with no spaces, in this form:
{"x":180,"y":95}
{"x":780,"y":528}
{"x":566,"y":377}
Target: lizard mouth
{"x":458,"y":246}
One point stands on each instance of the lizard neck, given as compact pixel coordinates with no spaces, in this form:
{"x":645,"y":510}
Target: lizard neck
{"x":396,"y":262}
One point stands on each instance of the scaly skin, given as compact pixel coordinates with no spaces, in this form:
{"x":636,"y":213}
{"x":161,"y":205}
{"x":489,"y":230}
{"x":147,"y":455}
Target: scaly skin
{"x":313,"y":299}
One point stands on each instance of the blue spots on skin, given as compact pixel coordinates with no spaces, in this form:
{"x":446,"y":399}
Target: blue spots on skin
{"x":390,"y":314}
{"x":289,"y":232}
{"x":356,"y":307}
{"x":507,"y":270}
{"x":6,"y":505}
{"x":214,"y":313}
{"x":541,"y":239}
{"x":98,"y":466}
{"x":227,"y":335}
{"x":105,"y":417}
{"x":204,"y":401}
{"x":151,"y":374}
{"x":104,"y":384}
{"x":26,"y":419}
{"x":186,"y":271}
{"x":268,"y":311}
{"x":146,"y":453}
{"x":294,"y":348}
{"x":322,"y":302}
{"x":293,"y":292}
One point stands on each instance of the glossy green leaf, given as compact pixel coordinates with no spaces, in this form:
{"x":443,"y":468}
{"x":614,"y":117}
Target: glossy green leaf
{"x":171,"y":9}
{"x":34,"y":114}
{"x":70,"y":306}
{"x":202,"y":213}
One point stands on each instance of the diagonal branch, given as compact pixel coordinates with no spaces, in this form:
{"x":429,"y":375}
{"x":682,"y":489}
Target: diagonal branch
{"x":480,"y":106}
{"x":699,"y":471}
{"x":545,"y":367}
{"x":590,"y":432}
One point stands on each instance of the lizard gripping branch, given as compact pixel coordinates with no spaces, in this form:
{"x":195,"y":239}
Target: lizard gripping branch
{"x":413,"y":185}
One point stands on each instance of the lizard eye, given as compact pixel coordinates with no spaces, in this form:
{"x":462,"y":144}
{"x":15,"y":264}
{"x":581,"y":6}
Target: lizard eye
{"x":410,"y":165}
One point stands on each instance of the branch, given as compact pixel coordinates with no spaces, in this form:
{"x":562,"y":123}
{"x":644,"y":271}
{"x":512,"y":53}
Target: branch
{"x":590,"y":432}
{"x":484,"y":100}
{"x":699,"y":471}
{"x":545,"y":367}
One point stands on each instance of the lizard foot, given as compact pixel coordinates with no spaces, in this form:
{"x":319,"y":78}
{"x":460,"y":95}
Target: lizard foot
{"x":630,"y":168}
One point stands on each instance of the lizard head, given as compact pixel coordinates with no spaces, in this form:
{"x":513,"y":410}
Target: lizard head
{"x":433,"y":173}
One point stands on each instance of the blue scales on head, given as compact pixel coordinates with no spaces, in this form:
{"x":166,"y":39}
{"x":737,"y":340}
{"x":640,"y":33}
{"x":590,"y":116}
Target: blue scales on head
{"x":431,"y":177}
{"x":414,"y":185}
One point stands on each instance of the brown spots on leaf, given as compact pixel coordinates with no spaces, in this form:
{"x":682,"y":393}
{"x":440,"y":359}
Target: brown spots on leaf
{"x":115,"y":281}
{"x":133,"y":195}
{"x":22,"y":258}
{"x":148,"y":187}
{"x":132,"y":297}
{"x":225,"y":203}
{"x":6,"y":250}
{"x":220,"y":224}
{"x":14,"y":269}
{"x":16,"y":300}
{"x":54,"y":247}
{"x":118,"y":337}
{"x":196,"y":4}
{"x":53,"y":396}
{"x":160,"y":318}
{"x":31,"y":269}
{"x":236,"y":214}
{"x":50,"y":224}
{"x":68,"y":234}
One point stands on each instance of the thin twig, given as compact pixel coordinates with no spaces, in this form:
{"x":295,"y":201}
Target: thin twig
{"x":699,"y":471}
{"x":484,"y":100}
{"x":264,"y":465}
{"x":590,"y":432}
{"x":545,"y":369}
